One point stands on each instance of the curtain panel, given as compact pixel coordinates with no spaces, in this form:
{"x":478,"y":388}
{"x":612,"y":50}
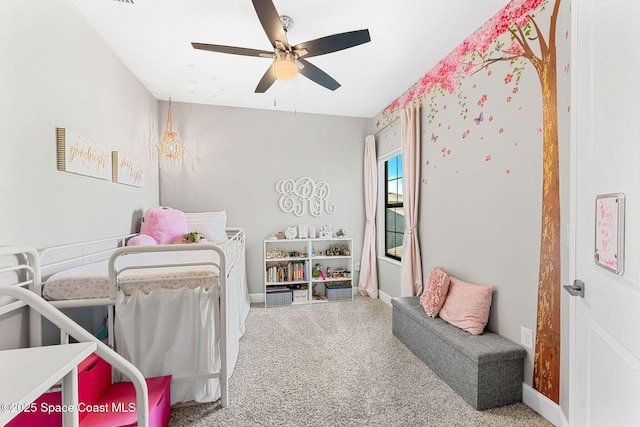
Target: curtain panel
{"x":411,"y":266}
{"x":368,"y":281}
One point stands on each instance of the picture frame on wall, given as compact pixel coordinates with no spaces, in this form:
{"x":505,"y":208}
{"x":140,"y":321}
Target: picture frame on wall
{"x":609,"y":232}
{"x":303,"y":231}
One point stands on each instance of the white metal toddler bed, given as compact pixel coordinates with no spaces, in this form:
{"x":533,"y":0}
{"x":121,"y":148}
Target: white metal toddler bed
{"x":174,"y":313}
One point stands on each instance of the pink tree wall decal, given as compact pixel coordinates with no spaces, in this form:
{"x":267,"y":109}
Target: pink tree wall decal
{"x":480,"y":51}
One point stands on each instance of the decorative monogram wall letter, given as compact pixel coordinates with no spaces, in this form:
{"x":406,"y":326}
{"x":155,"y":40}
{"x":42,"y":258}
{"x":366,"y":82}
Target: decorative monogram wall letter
{"x":304,"y":194}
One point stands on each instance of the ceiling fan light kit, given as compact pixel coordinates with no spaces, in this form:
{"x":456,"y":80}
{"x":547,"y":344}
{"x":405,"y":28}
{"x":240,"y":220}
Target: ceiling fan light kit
{"x":289,"y":60}
{"x":284,"y":66}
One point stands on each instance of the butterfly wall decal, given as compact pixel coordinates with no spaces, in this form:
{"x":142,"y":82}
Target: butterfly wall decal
{"x":479,"y":119}
{"x":434,"y":137}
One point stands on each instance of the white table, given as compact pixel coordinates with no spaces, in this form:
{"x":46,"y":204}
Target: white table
{"x":26,"y":373}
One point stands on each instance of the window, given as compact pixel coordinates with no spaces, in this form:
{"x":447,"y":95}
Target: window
{"x":393,"y":208}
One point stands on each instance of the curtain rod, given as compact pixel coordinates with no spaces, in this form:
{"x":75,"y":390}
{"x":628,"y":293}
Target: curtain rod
{"x":392,"y":122}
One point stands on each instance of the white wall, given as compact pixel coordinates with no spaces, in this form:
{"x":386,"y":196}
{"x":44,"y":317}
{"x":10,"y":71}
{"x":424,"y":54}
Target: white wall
{"x":57,"y":72}
{"x":235,"y":156}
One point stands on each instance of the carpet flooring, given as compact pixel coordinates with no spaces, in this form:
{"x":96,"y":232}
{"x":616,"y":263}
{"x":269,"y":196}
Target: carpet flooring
{"x":337,"y":364}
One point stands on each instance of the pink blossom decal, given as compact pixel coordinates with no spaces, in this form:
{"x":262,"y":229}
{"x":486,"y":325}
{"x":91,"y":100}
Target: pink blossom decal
{"x":514,"y":50}
{"x":448,"y":72}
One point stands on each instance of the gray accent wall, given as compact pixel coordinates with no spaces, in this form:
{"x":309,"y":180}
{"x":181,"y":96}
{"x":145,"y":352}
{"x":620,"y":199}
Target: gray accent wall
{"x":57,"y":72}
{"x":235,"y":156}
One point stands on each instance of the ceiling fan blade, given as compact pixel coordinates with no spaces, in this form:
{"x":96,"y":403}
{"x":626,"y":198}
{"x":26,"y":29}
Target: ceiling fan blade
{"x":266,"y":81}
{"x":314,"y":73}
{"x":334,"y":43}
{"x":270,"y":20}
{"x":233,"y":50}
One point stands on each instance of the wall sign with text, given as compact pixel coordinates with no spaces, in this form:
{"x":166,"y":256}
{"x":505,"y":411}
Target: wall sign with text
{"x":77,"y":154}
{"x":127,"y":170}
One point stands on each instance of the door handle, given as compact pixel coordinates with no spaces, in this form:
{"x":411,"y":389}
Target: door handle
{"x":577,"y":289}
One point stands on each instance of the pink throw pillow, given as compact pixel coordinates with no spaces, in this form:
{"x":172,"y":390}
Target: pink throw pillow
{"x":435,"y":292}
{"x":467,"y":306}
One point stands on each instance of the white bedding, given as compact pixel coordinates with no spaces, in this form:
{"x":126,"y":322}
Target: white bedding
{"x":92,"y":280}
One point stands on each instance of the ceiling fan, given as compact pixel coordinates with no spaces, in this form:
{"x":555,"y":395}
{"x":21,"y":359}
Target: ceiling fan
{"x":289,"y":60}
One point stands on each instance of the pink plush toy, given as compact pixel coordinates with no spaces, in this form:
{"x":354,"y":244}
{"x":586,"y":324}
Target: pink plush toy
{"x":161,"y":226}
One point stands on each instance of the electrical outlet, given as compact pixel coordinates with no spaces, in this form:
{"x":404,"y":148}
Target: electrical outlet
{"x":526,"y":337}
{"x":357,"y":266}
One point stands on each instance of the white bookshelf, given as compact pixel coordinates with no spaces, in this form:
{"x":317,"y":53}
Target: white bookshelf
{"x":290,"y":277}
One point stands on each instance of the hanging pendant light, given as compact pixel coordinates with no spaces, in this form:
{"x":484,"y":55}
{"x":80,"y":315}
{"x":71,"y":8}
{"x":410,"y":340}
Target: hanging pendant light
{"x":170,"y":146}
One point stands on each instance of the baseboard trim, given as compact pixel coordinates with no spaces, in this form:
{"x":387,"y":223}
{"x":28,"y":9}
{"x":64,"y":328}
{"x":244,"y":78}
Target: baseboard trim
{"x":544,"y":406}
{"x":385,"y":298}
{"x":257,"y":298}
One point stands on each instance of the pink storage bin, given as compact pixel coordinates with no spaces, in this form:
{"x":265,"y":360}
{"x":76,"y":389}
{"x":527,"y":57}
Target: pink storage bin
{"x":104,"y":404}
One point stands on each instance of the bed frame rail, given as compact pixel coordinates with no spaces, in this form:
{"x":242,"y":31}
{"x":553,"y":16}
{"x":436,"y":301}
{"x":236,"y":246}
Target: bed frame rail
{"x":24,"y":268}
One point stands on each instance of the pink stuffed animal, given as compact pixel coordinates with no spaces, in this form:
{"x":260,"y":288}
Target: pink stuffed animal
{"x":161,"y":226}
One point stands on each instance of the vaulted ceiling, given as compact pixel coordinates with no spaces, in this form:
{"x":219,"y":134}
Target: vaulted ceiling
{"x":408,"y":37}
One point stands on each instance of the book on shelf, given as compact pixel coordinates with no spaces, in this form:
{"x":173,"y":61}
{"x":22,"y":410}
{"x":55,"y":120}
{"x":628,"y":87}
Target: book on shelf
{"x":293,"y":271}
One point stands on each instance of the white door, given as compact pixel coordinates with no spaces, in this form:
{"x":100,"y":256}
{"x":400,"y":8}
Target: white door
{"x":605,"y":324}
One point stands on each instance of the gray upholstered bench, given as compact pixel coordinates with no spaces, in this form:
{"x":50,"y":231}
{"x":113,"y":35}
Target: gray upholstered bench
{"x":485,"y":370}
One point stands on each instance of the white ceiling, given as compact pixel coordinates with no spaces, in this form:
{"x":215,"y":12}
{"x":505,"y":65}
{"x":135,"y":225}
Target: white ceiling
{"x":408,"y":37}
